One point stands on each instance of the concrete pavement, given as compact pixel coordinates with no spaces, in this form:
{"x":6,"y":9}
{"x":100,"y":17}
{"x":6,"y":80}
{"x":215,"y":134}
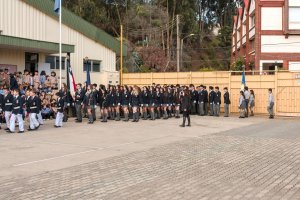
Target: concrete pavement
{"x":216,"y":158}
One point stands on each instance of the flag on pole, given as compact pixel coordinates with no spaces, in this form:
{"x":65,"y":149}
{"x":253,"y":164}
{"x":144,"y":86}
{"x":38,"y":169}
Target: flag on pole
{"x":243,"y":80}
{"x":71,"y":80}
{"x":88,"y":76}
{"x":57,"y":6}
{"x":58,"y":10}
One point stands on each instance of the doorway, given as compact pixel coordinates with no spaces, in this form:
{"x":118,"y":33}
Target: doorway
{"x":31,"y":62}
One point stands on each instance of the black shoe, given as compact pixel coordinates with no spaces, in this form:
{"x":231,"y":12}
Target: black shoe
{"x":57,"y":126}
{"x":21,"y":132}
{"x":31,"y":129}
{"x":182,"y":125}
{"x":90,"y":122}
{"x":78,"y":121}
{"x":177,"y":117}
{"x":189,"y":125}
{"x":9,"y":131}
{"x":38,"y":127}
{"x":104,"y":121}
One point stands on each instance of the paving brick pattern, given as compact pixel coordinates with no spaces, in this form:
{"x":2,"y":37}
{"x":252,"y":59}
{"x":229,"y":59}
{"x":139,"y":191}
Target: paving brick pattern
{"x":211,"y":167}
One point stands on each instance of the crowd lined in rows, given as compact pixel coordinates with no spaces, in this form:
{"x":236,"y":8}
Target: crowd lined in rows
{"x":37,"y":98}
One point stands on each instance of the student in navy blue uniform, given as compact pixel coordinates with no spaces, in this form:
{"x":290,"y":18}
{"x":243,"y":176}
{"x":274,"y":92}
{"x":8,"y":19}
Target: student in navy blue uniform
{"x":95,"y":93}
{"x":67,"y":100}
{"x":177,"y":102}
{"x":226,"y":102}
{"x":89,"y":102}
{"x":165,"y":102}
{"x":118,"y":103}
{"x":201,"y":99}
{"x":217,"y":102}
{"x":100,"y":100}
{"x":152,"y":102}
{"x":205,"y":93}
{"x":60,"y":103}
{"x":112,"y":102}
{"x":158,"y":103}
{"x":78,"y":98}
{"x":211,"y":100}
{"x":39,"y":107}
{"x":105,"y":104}
{"x":125,"y":101}
{"x":145,"y":101}
{"x":135,"y":103}
{"x":186,"y":105}
{"x":194,"y":99}
{"x":17,"y":113}
{"x":7,"y":107}
{"x":171,"y":102}
{"x":32,"y":103}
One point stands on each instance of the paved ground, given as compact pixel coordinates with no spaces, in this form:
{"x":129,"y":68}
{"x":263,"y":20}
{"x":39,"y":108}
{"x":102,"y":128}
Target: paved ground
{"x":214,"y":159}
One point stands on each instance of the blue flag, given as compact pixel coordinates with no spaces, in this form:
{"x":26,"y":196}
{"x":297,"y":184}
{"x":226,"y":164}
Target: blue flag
{"x":88,"y":77}
{"x":57,"y":6}
{"x":243,"y":80}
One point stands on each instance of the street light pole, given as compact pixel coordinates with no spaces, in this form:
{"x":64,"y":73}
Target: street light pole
{"x":181,"y":48}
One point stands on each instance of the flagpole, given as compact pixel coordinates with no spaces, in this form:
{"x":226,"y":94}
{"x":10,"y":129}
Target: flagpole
{"x":60,"y":49}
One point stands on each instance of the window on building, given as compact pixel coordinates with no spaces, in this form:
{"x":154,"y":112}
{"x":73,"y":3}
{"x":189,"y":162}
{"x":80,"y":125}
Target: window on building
{"x":252,"y":45}
{"x":94,"y":65}
{"x":294,"y":15}
{"x":54,"y":62}
{"x":252,"y":21}
{"x":244,"y":29}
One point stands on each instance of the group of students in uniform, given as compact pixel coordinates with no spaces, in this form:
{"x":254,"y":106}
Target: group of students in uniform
{"x":148,"y":102}
{"x":15,"y":108}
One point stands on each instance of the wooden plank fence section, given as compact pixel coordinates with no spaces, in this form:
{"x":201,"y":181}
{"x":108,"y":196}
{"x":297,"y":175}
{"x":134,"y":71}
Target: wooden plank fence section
{"x":285,"y":85}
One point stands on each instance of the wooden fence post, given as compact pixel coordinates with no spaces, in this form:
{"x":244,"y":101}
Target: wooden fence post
{"x":151,"y":78}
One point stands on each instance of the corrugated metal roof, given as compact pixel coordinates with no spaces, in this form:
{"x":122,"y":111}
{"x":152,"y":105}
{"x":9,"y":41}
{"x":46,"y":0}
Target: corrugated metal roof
{"x":77,"y":23}
{"x":24,"y":43}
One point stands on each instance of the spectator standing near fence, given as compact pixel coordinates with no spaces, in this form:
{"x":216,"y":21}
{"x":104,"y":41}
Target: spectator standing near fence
{"x":252,"y":102}
{"x":247,"y":99}
{"x":242,"y":104}
{"x":271,"y":104}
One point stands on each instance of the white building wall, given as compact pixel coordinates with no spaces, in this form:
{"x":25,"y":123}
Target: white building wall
{"x":280,"y":44}
{"x":271,"y":18}
{"x":21,"y":20}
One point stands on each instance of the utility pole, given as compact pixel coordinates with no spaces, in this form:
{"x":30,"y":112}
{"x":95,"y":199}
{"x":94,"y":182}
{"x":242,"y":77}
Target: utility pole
{"x":178,"y":44}
{"x":121,"y":56}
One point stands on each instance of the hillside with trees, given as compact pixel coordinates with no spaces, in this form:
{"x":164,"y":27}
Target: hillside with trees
{"x":151,"y":36}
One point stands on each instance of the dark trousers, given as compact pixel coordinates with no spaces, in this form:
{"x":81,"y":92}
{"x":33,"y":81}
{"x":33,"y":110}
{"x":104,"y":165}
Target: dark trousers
{"x":247,"y":107}
{"x":78,"y":112}
{"x":46,"y":115}
{"x":205,"y":108}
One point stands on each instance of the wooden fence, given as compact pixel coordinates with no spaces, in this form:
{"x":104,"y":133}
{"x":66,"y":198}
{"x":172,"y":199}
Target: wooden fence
{"x":285,"y":85}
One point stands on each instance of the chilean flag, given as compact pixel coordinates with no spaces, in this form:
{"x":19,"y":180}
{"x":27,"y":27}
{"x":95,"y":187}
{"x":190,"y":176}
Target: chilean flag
{"x":71,"y":81}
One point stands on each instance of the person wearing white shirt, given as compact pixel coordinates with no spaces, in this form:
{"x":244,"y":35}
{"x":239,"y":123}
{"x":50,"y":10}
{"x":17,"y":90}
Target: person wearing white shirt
{"x":271,"y":104}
